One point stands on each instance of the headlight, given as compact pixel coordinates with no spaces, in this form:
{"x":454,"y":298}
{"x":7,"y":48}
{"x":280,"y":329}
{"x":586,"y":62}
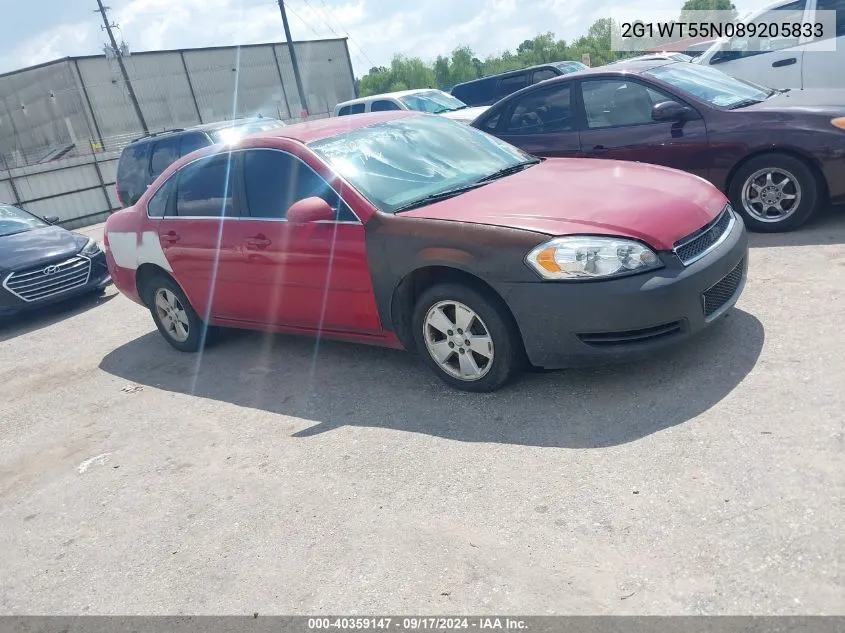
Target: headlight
{"x":92,"y":247}
{"x":589,"y":257}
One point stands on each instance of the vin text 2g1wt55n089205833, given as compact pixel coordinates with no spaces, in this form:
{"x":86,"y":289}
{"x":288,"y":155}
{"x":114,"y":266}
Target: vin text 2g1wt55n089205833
{"x":413,"y":231}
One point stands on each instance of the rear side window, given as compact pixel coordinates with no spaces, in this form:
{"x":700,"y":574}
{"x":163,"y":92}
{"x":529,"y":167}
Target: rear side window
{"x":165,"y":152}
{"x":355,"y":108}
{"x":542,"y":112}
{"x":542,"y":75}
{"x":191,"y":143}
{"x":206,"y":188}
{"x":157,"y":206}
{"x":274,"y":180}
{"x":511,"y":84}
{"x":132,"y":171}
{"x":477,"y":92}
{"x":382,"y":105}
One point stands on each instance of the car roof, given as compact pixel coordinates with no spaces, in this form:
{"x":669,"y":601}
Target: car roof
{"x":398,"y":93}
{"x":332,"y":126}
{"x":513,"y":72}
{"x":204,"y":127}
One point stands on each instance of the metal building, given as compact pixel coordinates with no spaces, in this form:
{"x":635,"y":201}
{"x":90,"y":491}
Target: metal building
{"x":80,"y":105}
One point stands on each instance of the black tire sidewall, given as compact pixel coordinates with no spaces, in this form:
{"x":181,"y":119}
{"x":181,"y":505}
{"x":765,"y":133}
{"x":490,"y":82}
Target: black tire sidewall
{"x":506,"y":342}
{"x":197,"y":329}
{"x":806,"y":179}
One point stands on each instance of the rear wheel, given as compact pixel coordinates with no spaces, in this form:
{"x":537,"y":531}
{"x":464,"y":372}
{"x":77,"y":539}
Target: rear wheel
{"x":774,"y":193}
{"x":466,"y":338}
{"x":174,"y":316}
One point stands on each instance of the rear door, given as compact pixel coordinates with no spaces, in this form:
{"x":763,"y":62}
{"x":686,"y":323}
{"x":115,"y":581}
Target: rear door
{"x":542,"y":122}
{"x":618,"y":124}
{"x":199,"y":235}
{"x":313,"y":276}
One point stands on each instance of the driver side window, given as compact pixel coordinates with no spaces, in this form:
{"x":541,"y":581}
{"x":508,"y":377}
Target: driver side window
{"x":616,"y":103}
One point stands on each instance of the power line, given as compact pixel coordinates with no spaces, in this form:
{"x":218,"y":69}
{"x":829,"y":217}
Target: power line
{"x":341,"y":27}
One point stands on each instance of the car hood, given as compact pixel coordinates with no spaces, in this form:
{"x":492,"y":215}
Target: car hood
{"x":564,"y":196}
{"x":465,"y":115}
{"x":38,"y":246}
{"x":822,"y":100}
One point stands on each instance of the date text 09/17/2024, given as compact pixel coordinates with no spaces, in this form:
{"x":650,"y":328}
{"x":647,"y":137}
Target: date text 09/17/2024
{"x":416,"y":623}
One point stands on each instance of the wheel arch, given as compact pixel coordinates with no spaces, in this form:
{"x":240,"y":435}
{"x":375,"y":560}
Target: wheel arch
{"x":808,"y":160}
{"x":145,"y":273}
{"x":414,"y":283}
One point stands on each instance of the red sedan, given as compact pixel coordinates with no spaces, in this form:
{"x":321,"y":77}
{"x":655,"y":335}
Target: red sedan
{"x":412,"y":231}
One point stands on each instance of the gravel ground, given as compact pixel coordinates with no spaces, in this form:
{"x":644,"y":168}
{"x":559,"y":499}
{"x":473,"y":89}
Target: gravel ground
{"x":271,"y":475}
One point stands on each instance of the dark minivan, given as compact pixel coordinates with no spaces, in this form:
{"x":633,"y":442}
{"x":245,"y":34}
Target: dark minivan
{"x":488,"y":90}
{"x":145,"y":158}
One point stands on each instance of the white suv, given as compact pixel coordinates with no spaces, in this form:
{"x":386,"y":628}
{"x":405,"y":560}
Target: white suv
{"x":784,"y":62}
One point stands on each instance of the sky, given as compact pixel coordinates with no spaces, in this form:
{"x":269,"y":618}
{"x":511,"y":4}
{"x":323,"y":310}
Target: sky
{"x":42,"y":30}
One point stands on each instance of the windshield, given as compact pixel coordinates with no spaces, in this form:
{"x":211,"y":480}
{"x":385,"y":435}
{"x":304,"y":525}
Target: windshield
{"x":433,"y":102}
{"x":709,"y":84}
{"x":14,"y":220}
{"x":399,"y":162}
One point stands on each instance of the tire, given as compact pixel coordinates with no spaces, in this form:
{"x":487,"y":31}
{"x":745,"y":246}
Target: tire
{"x":163,"y":290}
{"x":488,"y":315}
{"x":780,"y":167}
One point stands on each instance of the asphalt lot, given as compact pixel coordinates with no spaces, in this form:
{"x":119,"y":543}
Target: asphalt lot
{"x":270,"y":475}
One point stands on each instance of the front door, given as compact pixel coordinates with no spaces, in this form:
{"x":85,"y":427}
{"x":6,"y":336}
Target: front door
{"x":618,"y":125}
{"x":542,"y":122}
{"x":199,"y":235}
{"x":313,"y":275}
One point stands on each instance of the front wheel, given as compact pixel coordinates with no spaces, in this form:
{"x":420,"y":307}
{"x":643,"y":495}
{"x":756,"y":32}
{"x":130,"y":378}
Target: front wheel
{"x":467,"y":339}
{"x":174,"y":316}
{"x":774,"y":193}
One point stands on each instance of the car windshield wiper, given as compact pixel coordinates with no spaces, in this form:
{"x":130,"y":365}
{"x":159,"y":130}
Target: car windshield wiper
{"x":437,"y":197}
{"x":744,"y":103}
{"x":507,"y":171}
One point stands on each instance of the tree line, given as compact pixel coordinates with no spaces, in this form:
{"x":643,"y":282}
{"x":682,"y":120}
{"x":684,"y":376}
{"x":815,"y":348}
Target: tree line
{"x":463,"y":65}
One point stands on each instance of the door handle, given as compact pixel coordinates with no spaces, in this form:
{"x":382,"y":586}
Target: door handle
{"x":599,"y":148}
{"x":257,"y":242}
{"x":170,"y":237}
{"x":784,"y":62}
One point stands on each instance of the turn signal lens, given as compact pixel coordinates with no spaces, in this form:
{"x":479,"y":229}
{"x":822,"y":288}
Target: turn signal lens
{"x":839,"y":122}
{"x":591,"y":257}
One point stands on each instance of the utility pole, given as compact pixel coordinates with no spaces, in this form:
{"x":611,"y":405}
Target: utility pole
{"x":304,"y":104}
{"x":119,"y":54}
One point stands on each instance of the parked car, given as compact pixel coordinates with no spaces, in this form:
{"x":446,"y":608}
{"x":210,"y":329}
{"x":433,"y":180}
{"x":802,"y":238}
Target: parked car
{"x":145,"y":158}
{"x":777,"y":154}
{"x":41,"y":263}
{"x":488,"y":90}
{"x":413,"y":231}
{"x":667,"y":56}
{"x":419,"y":100}
{"x":785,"y":62}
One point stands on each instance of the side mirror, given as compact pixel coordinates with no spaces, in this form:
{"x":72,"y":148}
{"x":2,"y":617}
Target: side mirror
{"x":51,"y":219}
{"x":311,"y":209}
{"x":672,"y":111}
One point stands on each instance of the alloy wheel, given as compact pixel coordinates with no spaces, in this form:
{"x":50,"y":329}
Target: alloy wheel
{"x":771,"y":194}
{"x":458,"y":340}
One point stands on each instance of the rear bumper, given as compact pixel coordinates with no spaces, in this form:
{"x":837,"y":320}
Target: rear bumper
{"x":98,"y":278}
{"x":573,"y":324}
